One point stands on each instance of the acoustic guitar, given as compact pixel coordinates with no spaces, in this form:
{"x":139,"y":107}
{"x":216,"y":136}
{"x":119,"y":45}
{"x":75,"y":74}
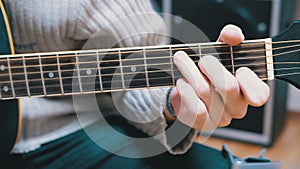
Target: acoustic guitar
{"x":63,"y":73}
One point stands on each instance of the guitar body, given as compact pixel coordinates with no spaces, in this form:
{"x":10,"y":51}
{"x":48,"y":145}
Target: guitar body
{"x":10,"y":116}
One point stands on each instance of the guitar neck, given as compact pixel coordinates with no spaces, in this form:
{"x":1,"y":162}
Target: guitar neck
{"x":119,"y":69}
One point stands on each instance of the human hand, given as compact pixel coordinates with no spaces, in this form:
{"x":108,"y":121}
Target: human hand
{"x":211,"y":97}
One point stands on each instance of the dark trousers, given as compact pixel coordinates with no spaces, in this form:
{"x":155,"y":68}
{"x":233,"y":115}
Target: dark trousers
{"x":78,"y":151}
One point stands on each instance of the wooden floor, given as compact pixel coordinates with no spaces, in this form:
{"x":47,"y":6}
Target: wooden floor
{"x":286,"y":147}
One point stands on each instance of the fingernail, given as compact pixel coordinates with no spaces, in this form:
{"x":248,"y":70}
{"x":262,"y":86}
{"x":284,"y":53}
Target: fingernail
{"x":178,"y":55}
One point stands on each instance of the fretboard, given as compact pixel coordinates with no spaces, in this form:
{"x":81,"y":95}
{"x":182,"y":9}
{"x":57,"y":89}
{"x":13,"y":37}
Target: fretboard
{"x":119,"y":69}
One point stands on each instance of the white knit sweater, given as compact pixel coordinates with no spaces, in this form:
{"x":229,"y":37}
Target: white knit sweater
{"x":56,"y":25}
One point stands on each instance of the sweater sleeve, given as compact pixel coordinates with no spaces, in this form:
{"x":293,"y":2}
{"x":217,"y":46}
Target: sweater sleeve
{"x":132,"y":23}
{"x":143,"y":109}
{"x":127,"y":23}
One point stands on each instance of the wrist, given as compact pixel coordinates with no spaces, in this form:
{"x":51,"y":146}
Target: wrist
{"x":169,"y":111}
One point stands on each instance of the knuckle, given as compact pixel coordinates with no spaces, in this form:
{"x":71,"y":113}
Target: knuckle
{"x":240,"y":113}
{"x":226,"y":120}
{"x":225,"y":123}
{"x":203,"y":91}
{"x":231,"y":87}
{"x":201,"y":116}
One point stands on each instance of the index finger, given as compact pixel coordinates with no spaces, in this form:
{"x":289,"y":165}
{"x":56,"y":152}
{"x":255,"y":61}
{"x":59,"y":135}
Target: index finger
{"x":191,"y":72}
{"x":231,"y":34}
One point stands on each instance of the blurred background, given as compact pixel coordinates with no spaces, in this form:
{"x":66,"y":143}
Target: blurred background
{"x":276,"y":125}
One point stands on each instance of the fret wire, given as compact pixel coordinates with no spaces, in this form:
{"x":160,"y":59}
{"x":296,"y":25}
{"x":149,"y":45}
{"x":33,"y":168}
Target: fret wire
{"x":183,"y":46}
{"x":200,"y":52}
{"x":71,"y":70}
{"x":232,"y":60}
{"x":26,"y":77}
{"x":112,"y":51}
{"x":32,"y":80}
{"x":78,"y":72}
{"x":121,"y":69}
{"x":212,"y":44}
{"x":117,"y":81}
{"x":161,"y":57}
{"x":245,"y":43}
{"x":263,"y":78}
{"x":246,"y":51}
{"x":108,"y":67}
{"x":99,"y":71}
{"x":168,"y":56}
{"x":146,"y":68}
{"x":153,"y":71}
{"x":172,"y":68}
{"x":59,"y":74}
{"x":108,"y":81}
{"x":126,"y":73}
{"x":12,"y":66}
{"x":154,"y":47}
{"x":150,"y":58}
{"x":42,"y":75}
{"x":92,"y":92}
{"x":66,"y":64}
{"x":10,"y":77}
{"x":239,"y":58}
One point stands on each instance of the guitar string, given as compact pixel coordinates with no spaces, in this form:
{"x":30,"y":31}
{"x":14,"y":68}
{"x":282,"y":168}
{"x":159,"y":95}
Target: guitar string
{"x":127,"y":60}
{"x":83,"y":84}
{"x":95,"y":83}
{"x":114,"y":67}
{"x":98,"y":83}
{"x":127,"y":66}
{"x":121,"y":74}
{"x":176,"y":71}
{"x":28,"y":72}
{"x":66,"y":85}
{"x":67,"y":93}
{"x":131,"y":65}
{"x":114,"y":52}
{"x":119,"y":81}
{"x":170,"y":84}
{"x":110,"y":89}
{"x":134,"y":73}
{"x":293,"y":63}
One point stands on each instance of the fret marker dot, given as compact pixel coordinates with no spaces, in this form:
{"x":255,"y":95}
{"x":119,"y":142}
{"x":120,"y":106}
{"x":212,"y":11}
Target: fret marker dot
{"x":51,"y":74}
{"x":89,"y":72}
{"x":133,"y":68}
{"x":2,"y":67}
{"x":5,"y":88}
